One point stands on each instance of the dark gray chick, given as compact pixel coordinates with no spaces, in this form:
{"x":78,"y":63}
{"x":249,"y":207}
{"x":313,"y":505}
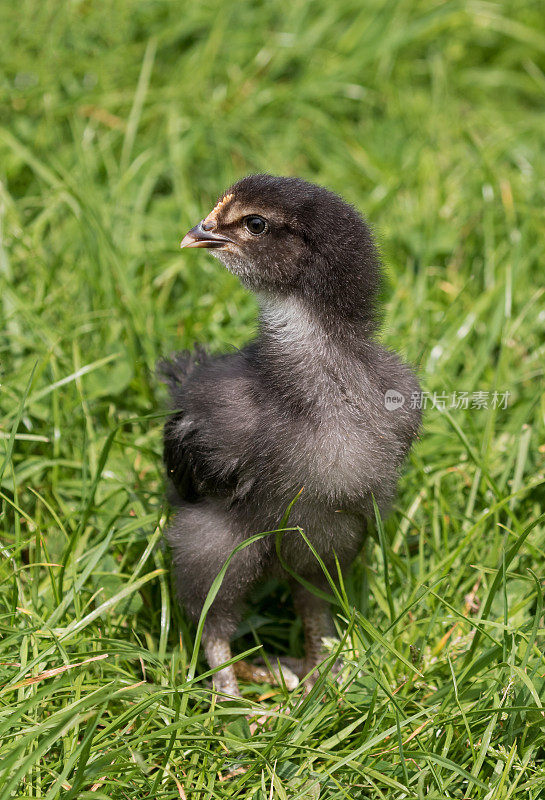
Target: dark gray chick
{"x":303,"y":405}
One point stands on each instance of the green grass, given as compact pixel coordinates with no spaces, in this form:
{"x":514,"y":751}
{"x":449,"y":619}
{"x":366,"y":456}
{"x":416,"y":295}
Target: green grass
{"x":119,"y":126}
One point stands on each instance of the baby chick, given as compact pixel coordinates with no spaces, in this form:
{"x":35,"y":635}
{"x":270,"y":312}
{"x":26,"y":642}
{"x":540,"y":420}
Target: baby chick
{"x":305,"y":404}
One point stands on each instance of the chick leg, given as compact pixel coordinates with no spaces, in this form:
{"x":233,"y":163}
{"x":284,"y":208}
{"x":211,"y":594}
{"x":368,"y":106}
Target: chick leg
{"x":218,"y":651}
{"x":202,"y":538}
{"x":317,"y":623}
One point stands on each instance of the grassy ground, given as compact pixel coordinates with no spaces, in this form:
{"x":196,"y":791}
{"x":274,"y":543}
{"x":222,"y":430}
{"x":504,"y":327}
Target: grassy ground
{"x":119,"y":126}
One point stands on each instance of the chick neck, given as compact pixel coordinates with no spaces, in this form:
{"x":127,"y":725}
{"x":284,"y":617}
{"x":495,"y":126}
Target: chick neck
{"x":303,"y":327}
{"x":311,"y":358}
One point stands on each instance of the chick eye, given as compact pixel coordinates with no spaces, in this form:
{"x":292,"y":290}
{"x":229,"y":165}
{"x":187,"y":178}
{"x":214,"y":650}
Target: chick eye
{"x":256,"y":225}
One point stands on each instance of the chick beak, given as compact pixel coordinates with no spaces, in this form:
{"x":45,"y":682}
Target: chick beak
{"x":199,"y":237}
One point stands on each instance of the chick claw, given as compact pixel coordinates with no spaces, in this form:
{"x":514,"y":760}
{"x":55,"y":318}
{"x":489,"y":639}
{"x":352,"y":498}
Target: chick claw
{"x":277,"y":674}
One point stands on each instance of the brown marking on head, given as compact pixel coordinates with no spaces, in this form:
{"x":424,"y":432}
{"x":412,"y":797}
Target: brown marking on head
{"x":213,"y":216}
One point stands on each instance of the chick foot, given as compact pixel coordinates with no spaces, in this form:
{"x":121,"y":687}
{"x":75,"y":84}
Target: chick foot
{"x":278,"y":673}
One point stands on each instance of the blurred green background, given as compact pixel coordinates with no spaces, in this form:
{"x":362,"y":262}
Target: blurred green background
{"x":120,"y":124}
